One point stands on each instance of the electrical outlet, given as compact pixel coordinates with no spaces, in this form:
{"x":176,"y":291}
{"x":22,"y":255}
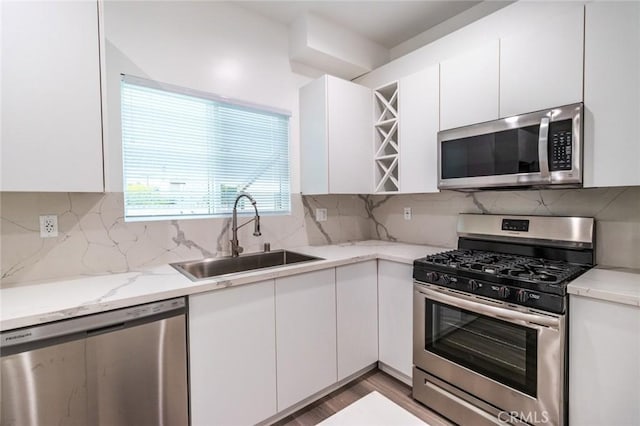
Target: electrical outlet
{"x":321,"y":215}
{"x":407,"y":213}
{"x":48,"y":226}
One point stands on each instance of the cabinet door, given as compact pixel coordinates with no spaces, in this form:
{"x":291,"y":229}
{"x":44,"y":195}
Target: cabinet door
{"x":357,"y":316}
{"x":349,"y":112}
{"x":612,"y":94}
{"x":314,"y":146}
{"x":51,"y":116}
{"x":543,"y":69}
{"x":233,"y":355}
{"x":305,"y":335}
{"x":395,"y":304}
{"x":418,"y":139}
{"x":469,"y":87}
{"x":336,"y":137}
{"x":604,"y":364}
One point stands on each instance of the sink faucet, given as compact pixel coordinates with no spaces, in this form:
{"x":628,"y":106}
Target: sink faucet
{"x":235,"y":244}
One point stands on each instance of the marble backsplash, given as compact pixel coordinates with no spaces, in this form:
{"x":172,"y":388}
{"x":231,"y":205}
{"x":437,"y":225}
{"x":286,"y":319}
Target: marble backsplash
{"x":94,"y":239}
{"x":616,"y":210}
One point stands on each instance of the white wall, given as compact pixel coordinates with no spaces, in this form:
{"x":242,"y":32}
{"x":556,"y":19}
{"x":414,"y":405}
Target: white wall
{"x":215,"y":47}
{"x":334,"y":49}
{"x":522,"y":16}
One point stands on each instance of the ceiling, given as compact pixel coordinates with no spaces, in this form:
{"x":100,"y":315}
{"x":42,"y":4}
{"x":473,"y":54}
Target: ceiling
{"x":387,"y":23}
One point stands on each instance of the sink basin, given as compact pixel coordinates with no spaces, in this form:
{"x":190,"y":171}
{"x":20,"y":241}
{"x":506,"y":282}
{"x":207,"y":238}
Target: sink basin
{"x":207,"y":268}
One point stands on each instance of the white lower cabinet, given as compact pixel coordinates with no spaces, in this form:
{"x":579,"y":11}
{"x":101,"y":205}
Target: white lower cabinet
{"x":357,"y":317}
{"x":323,"y":326}
{"x":305,"y":335}
{"x":233,"y":355}
{"x":395,"y":308}
{"x":604,"y":363}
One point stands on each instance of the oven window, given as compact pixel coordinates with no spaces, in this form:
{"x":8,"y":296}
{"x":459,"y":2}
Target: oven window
{"x":502,"y":153}
{"x":497,"y":349}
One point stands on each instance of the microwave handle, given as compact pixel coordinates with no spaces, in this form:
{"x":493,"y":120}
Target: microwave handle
{"x":543,"y":149}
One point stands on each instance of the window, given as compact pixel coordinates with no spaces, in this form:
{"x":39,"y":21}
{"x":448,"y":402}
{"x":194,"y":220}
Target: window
{"x":189,"y":154}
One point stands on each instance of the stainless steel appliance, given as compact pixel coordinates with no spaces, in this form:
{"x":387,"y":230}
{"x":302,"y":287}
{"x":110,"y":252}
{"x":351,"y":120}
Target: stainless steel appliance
{"x":539,"y":149}
{"x":123,"y":367}
{"x":490,"y":319}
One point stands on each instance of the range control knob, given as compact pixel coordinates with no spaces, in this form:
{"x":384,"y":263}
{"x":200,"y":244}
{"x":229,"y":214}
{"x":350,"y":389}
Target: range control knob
{"x":473,"y":285}
{"x":432,"y":276}
{"x":445,"y":279}
{"x":504,"y":292}
{"x":522,"y":296}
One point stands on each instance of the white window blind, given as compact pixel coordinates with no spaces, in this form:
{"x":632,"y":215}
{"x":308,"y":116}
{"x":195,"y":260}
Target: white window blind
{"x":190,"y":154}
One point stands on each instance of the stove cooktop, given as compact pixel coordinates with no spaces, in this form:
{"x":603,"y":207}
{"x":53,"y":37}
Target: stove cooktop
{"x":523,"y":280}
{"x":509,"y":269}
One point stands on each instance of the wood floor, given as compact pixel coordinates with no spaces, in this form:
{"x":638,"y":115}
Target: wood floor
{"x":375,"y":380}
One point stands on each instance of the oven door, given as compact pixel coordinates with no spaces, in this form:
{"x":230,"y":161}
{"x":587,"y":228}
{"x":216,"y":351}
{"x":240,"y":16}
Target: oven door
{"x":507,"y":356}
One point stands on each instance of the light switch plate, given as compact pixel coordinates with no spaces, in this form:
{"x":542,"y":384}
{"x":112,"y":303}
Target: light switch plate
{"x":407,"y":213}
{"x":321,"y":215}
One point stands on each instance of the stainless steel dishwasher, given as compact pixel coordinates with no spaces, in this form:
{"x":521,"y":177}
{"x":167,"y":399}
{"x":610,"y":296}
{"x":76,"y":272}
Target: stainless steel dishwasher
{"x":122,"y":367}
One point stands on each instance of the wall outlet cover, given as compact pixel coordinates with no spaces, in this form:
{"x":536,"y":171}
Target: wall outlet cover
{"x":48,"y":226}
{"x":407,"y":213}
{"x":321,"y":215}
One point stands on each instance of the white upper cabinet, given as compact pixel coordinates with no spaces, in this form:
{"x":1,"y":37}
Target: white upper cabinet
{"x":51,"y":113}
{"x":612,"y":94}
{"x":469,"y":87}
{"x":418,"y":137}
{"x":543,"y":68}
{"x":336,"y":136}
{"x":357,"y":317}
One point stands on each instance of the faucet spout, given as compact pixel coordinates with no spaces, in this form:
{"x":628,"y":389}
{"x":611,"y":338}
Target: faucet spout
{"x":236,"y":249}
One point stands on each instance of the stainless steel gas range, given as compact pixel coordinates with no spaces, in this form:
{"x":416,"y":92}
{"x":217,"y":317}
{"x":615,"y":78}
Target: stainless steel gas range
{"x":490,"y":319}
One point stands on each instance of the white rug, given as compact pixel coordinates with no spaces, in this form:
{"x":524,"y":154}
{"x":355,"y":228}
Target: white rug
{"x":372,"y":410}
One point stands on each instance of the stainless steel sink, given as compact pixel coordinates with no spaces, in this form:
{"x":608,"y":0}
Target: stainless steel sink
{"x":207,"y":268}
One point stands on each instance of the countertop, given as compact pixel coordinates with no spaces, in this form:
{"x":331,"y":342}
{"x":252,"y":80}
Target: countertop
{"x":619,"y":285}
{"x":33,"y":303}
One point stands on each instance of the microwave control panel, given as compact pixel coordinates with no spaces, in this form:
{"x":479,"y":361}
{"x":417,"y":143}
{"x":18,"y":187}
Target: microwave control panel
{"x":560,"y":146}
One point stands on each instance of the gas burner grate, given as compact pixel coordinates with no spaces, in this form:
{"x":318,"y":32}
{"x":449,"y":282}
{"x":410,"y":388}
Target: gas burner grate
{"x":520,"y":268}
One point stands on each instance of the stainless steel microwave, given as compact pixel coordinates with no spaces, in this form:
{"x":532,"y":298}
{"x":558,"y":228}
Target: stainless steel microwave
{"x":541,"y":149}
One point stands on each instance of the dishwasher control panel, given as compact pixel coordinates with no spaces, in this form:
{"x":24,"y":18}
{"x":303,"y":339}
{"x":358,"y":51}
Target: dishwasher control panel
{"x":89,"y":322}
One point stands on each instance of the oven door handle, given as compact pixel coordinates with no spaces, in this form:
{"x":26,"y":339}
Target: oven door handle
{"x":492,"y":311}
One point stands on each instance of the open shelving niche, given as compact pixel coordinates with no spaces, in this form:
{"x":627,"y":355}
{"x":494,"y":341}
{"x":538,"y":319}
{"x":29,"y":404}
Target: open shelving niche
{"x":386,"y":148}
